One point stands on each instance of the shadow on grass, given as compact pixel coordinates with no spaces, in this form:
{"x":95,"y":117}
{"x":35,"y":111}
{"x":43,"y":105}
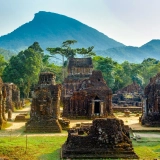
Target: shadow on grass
{"x":55,"y":155}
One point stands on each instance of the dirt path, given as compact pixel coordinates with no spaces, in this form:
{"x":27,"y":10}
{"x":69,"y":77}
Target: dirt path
{"x":18,"y":125}
{"x":17,"y":128}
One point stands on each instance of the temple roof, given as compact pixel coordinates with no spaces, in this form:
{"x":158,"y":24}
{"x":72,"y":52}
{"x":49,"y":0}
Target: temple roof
{"x":47,"y":78}
{"x":134,"y":87}
{"x":80,"y":62}
{"x":46,"y":73}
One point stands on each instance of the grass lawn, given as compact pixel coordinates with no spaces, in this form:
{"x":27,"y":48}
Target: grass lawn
{"x":38,"y":148}
{"x":48,"y":148}
{"x":147,"y":148}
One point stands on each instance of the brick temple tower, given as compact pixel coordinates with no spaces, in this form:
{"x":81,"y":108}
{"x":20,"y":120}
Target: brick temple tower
{"x":45,"y":107}
{"x":86,"y":93}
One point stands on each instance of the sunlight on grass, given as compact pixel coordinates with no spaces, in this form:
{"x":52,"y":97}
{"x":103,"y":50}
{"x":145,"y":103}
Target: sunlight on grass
{"x":147,"y":149}
{"x":48,"y":147}
{"x":37,"y":147}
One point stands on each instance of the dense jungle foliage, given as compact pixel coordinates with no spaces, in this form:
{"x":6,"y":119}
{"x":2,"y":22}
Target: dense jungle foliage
{"x":23,"y":69}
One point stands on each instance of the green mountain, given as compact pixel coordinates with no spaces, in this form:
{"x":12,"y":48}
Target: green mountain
{"x":133,"y":54}
{"x":152,"y":48}
{"x":51,"y":29}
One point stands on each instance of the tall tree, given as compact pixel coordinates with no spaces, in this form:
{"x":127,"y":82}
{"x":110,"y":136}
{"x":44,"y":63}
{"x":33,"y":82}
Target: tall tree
{"x":24,"y":68}
{"x":3,"y":64}
{"x":67,"y":52}
{"x":106,"y":65}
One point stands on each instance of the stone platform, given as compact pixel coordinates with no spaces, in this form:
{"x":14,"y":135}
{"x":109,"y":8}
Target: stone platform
{"x":137,"y":127}
{"x":105,"y":138}
{"x":98,"y":154}
{"x":132,"y":109}
{"x":50,"y":126}
{"x":21,"y":118}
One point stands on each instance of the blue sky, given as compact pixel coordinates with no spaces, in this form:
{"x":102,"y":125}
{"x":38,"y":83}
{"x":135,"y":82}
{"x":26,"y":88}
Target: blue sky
{"x":132,"y":22}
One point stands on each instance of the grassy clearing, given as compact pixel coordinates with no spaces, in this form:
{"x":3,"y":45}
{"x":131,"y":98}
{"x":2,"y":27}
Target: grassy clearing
{"x":38,"y":148}
{"x":147,"y":148}
{"x":48,"y":148}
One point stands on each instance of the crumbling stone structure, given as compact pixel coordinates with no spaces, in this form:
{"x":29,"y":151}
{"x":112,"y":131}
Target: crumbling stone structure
{"x":106,"y":138}
{"x":151,"y":108}
{"x":13,"y":96}
{"x":2,"y":103}
{"x":16,"y":101}
{"x":131,"y":109}
{"x":130,"y":95}
{"x":134,"y":87}
{"x":45,"y":107}
{"x":86,"y":94}
{"x":79,"y":69}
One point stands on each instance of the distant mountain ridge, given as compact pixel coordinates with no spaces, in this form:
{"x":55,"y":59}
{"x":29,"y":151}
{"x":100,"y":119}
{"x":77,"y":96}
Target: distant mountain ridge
{"x":133,"y":54}
{"x":51,"y":29}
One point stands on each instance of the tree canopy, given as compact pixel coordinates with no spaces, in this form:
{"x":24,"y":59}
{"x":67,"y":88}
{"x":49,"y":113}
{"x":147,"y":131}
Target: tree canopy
{"x":23,"y":69}
{"x":3,"y":64}
{"x":66,"y":51}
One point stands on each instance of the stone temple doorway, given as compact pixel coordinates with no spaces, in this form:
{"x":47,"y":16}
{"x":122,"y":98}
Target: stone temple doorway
{"x":97,"y":105}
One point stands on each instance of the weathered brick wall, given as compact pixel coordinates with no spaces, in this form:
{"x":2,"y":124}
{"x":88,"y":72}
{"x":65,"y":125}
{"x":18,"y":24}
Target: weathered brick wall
{"x":92,"y":90}
{"x":151,"y":115}
{"x":79,"y":69}
{"x":134,"y":87}
{"x":131,"y":109}
{"x":105,"y":138}
{"x":13,"y":96}
{"x":3,"y":96}
{"x":45,"y":107}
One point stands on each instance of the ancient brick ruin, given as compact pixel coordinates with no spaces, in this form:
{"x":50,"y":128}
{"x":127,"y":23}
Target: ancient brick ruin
{"x":45,"y":107}
{"x":3,"y":95}
{"x":79,"y":69}
{"x":13,"y":96}
{"x":86,"y":93}
{"x":151,"y":108}
{"x":106,"y":138}
{"x":134,"y":87}
{"x":130,"y":95}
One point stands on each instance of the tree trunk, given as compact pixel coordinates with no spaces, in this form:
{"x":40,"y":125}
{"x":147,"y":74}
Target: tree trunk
{"x":63,"y":66}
